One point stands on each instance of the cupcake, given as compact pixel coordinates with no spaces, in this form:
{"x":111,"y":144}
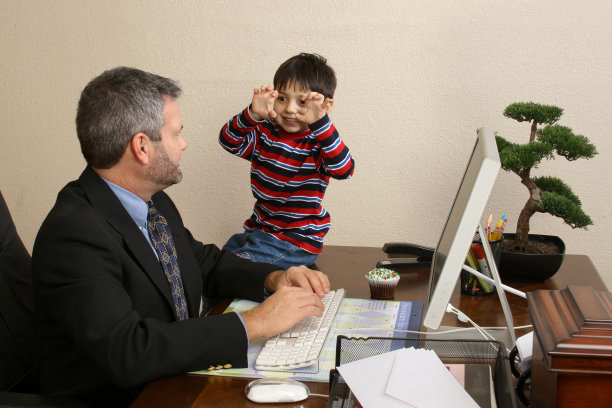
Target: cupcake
{"x":383,"y":282}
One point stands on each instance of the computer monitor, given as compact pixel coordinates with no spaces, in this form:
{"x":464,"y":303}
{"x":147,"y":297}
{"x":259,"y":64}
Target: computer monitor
{"x":461,"y":225}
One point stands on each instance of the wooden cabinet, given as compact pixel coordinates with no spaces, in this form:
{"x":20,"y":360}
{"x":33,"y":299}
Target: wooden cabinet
{"x":572,"y":347}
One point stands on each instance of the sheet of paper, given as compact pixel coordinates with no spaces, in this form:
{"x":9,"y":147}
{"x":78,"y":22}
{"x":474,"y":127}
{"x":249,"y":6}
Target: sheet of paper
{"x":419,"y":378}
{"x":368,"y":379}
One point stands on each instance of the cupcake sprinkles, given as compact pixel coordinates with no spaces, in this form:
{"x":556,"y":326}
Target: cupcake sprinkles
{"x":382,"y":282}
{"x":382,"y":274}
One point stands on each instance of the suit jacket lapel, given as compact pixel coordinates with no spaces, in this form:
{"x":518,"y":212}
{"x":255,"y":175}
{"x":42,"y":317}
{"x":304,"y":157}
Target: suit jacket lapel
{"x":106,"y":202}
{"x":190,"y":270}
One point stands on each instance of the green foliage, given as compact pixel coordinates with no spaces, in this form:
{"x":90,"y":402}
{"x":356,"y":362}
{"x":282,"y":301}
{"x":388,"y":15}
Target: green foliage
{"x":516,"y":157}
{"x":547,"y":194}
{"x":566,"y":143}
{"x":555,"y":185}
{"x":564,"y":208}
{"x":530,"y":111}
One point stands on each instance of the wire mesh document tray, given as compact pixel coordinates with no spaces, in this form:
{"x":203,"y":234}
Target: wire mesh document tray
{"x":493,"y":353}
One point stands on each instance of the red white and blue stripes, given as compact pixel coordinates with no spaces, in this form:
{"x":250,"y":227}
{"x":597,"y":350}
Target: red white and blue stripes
{"x":289,"y":175}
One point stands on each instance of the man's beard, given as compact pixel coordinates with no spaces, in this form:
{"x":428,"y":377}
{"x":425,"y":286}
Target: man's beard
{"x":162,"y":171}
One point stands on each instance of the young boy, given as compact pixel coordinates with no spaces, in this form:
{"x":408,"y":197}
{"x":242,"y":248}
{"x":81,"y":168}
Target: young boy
{"x":294,"y":149}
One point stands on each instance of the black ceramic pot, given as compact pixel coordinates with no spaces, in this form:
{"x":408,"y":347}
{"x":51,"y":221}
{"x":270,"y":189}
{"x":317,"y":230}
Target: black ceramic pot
{"x":531,"y":267}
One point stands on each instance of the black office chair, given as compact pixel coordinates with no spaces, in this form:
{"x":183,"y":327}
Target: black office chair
{"x":18,"y":358}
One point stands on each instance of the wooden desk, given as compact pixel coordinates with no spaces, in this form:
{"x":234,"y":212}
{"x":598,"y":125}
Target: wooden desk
{"x":346,"y":267}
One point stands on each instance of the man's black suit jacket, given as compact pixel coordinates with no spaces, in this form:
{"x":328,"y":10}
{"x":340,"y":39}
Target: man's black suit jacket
{"x":106,"y":315}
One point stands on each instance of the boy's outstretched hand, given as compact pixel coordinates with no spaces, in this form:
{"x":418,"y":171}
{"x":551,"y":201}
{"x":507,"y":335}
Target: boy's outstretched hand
{"x":316,"y":106}
{"x":262,"y":106}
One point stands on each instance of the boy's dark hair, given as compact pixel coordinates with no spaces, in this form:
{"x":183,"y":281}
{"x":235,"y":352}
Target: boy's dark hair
{"x":307,"y":71}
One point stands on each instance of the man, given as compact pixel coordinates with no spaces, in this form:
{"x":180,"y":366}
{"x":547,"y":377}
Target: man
{"x":119,"y":279}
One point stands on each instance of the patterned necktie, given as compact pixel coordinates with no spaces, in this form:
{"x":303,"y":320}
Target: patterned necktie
{"x":160,"y":234}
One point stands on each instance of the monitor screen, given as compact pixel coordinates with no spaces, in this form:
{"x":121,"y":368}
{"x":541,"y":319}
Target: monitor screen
{"x":461,"y":225}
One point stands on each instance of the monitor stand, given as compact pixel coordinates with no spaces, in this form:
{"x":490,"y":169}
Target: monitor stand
{"x":505,"y":335}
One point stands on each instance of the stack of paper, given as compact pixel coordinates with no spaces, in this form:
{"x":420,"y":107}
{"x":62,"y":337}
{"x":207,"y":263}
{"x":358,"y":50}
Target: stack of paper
{"x":404,"y":378}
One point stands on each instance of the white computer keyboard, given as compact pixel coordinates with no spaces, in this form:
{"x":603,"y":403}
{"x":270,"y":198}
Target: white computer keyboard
{"x":300,"y":346}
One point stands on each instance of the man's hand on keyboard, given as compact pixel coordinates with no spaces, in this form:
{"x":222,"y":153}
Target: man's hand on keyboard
{"x":299,"y":276}
{"x":300,"y":346}
{"x":281,"y":311}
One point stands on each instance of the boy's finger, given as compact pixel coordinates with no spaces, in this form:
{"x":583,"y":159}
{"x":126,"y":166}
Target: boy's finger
{"x":315,"y":95}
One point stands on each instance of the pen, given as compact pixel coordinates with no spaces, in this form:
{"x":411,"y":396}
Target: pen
{"x":470,"y":261}
{"x":499,"y":228}
{"x":472,"y":281}
{"x":499,"y":223}
{"x":482,"y":262}
{"x":473,"y":254}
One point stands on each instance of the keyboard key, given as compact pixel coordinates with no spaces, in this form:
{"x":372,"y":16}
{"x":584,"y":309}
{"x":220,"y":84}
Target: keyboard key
{"x":300,"y":346}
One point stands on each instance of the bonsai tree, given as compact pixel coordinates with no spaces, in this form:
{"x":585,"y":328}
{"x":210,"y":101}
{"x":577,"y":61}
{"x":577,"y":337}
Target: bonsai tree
{"x":546,"y":194}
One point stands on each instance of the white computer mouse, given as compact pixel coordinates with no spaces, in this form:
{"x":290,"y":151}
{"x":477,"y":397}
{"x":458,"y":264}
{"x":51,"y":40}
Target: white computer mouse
{"x":267,"y":390}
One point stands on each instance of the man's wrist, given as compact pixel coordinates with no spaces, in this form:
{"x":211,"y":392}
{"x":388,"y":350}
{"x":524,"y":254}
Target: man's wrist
{"x":252,"y":323}
{"x":245,"y":327}
{"x":271,"y":281}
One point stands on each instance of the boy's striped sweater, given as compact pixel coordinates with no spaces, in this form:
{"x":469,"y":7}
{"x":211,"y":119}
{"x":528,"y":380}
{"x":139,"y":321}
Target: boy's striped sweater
{"x":289,"y":175}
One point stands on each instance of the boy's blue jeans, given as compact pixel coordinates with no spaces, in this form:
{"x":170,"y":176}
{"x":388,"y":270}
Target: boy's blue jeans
{"x":260,"y":246}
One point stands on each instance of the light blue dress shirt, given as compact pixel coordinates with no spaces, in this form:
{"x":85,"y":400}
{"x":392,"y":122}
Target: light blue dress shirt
{"x":135,"y":206}
{"x":138,"y":210}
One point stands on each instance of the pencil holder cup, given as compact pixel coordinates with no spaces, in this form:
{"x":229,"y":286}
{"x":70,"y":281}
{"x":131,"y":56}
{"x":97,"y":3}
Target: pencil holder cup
{"x":476,"y":259}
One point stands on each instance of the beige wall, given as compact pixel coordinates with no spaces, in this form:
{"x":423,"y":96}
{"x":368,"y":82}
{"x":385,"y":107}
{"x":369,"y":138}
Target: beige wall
{"x":416,"y":78}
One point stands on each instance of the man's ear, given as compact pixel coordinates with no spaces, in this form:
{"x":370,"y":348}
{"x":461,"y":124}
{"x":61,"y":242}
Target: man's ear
{"x":141,"y":148}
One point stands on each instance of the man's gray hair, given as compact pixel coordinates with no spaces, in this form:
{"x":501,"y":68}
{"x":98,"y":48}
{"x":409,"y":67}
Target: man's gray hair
{"x":115,"y":106}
